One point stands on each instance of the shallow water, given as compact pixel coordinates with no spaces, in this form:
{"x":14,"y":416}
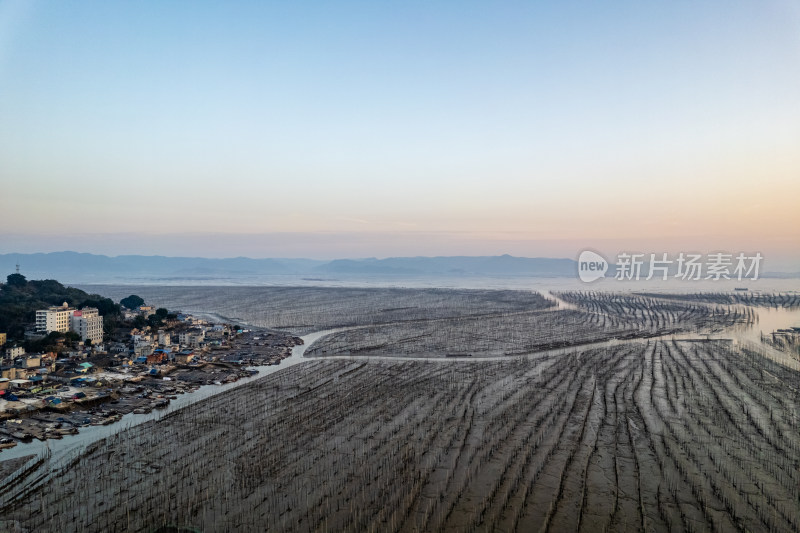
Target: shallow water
{"x":473,"y":282}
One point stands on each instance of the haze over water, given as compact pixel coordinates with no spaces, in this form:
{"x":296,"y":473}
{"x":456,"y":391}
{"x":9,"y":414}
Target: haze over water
{"x":352,"y":129}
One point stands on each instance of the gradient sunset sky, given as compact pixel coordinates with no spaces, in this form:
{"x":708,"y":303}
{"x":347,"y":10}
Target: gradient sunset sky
{"x":353,"y":129}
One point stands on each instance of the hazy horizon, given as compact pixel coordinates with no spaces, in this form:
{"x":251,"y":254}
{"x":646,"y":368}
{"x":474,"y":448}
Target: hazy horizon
{"x":357,"y":130}
{"x":326,"y":247}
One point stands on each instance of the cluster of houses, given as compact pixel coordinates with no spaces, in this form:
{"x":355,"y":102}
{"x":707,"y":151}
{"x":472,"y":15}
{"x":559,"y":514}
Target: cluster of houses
{"x":131,"y":351}
{"x":179,"y":345}
{"x":21,"y":371}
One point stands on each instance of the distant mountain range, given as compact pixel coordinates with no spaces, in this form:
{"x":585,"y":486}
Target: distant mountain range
{"x":75,"y":267}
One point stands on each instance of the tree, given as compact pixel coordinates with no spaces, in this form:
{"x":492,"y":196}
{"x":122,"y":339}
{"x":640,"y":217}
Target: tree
{"x":16,"y":280}
{"x":105,"y":306}
{"x":132,"y":301}
{"x":162,"y":313}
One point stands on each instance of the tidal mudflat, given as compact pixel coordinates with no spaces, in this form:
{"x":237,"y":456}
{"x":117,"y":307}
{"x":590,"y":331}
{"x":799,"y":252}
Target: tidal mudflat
{"x":683,"y":427}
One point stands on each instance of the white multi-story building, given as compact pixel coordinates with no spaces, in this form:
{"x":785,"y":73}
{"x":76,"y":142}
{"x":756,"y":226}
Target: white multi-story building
{"x":192,"y":338}
{"x":15,"y":351}
{"x":54,"y":319}
{"x":86,"y":322}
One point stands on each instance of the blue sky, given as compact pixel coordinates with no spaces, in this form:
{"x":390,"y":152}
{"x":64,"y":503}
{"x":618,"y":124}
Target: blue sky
{"x":400,"y":128}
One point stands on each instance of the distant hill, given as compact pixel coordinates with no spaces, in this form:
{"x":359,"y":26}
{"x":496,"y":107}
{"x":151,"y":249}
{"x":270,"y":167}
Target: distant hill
{"x":76,"y":267}
{"x":19,"y":303}
{"x":87,"y":268}
{"x":73,"y":267}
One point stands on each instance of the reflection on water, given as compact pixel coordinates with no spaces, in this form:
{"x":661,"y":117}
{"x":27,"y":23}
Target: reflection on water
{"x":768,"y":319}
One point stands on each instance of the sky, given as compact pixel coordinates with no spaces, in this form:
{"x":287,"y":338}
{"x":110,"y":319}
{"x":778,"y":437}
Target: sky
{"x":356,"y":129}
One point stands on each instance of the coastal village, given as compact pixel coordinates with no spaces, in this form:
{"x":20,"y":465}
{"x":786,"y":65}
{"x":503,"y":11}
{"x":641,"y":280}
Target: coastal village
{"x":95,"y":377}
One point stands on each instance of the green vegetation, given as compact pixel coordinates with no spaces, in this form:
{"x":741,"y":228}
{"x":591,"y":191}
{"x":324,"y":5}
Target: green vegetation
{"x":20,"y":298}
{"x":16,"y":280}
{"x":131,"y":302}
{"x":53,"y":342}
